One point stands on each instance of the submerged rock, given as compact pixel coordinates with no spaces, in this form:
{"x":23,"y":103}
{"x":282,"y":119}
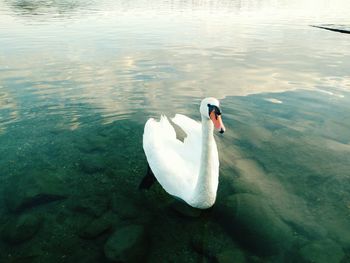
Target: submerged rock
{"x":210,"y":240}
{"x":96,"y":227}
{"x":95,"y":205}
{"x":127,"y":244}
{"x":309,"y":229}
{"x":124,"y":207}
{"x":92,"y":165}
{"x":322,"y":251}
{"x":33,"y":189}
{"x":252,"y":222}
{"x":21,"y":229}
{"x":94,"y":144}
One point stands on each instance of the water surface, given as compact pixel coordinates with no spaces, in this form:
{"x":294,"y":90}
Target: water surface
{"x":78,"y":80}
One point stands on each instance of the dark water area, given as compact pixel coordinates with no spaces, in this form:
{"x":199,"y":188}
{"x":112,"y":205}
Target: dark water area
{"x":78,"y":81}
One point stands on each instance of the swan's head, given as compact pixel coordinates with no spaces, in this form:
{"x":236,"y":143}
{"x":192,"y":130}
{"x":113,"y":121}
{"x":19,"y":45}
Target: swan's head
{"x":210,"y":109}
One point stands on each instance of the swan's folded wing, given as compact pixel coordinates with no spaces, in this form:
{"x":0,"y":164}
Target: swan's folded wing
{"x":192,"y":128}
{"x":192,"y":145}
{"x":158,"y":135}
{"x":165,"y":155}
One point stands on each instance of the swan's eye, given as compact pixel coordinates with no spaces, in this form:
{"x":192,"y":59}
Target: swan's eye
{"x":215,"y":109}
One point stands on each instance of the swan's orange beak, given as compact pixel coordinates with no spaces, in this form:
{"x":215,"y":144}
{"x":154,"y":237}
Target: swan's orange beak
{"x":216,"y":119}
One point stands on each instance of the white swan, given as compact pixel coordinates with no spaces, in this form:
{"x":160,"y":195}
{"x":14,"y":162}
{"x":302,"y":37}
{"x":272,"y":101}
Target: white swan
{"x":188,"y":170}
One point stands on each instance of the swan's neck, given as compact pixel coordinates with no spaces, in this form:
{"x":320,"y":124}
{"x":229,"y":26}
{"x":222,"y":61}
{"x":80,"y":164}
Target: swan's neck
{"x":205,"y":189}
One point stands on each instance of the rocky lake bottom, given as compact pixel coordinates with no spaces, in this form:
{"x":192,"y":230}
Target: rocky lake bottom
{"x":72,"y":195}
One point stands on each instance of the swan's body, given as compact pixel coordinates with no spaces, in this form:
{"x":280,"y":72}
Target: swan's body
{"x":188,"y":170}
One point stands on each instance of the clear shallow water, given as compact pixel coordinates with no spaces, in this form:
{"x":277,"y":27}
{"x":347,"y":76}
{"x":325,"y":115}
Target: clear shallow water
{"x":78,"y":80}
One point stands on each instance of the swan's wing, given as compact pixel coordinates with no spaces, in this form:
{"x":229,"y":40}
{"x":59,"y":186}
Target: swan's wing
{"x":169,"y":158}
{"x":193,"y":142}
{"x":192,"y":128}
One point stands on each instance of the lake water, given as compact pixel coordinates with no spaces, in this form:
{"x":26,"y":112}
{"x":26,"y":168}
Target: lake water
{"x":78,"y":80}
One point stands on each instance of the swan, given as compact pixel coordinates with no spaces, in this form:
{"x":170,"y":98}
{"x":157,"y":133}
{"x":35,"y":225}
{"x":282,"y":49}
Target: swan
{"x":187,"y":170}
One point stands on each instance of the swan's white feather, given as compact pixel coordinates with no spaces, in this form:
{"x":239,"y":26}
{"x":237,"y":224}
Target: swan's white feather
{"x":175,"y":164}
{"x":191,"y":127}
